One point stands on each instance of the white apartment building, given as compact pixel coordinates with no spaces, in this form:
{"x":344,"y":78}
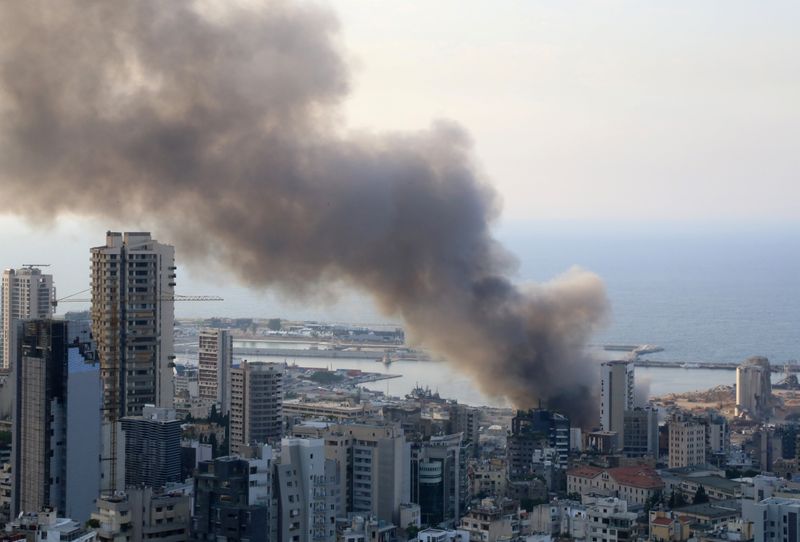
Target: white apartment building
{"x":373,"y":460}
{"x":616,"y":396}
{"x":608,"y":520}
{"x":26,"y":293}
{"x":773,"y":519}
{"x":308,"y":496}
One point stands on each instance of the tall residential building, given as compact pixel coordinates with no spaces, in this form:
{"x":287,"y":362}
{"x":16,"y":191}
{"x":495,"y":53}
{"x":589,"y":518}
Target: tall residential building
{"x":641,"y":432}
{"x":84,"y":397}
{"x":133,"y":280}
{"x":256,"y":404}
{"x":46,"y":525}
{"x":140,"y":514}
{"x":215,"y":357}
{"x":773,"y":519}
{"x":687,"y":442}
{"x":152,"y":448}
{"x":380,"y":465}
{"x":754,"y":388}
{"x":492,"y":520}
{"x":466,"y":419}
{"x":608,"y":520}
{"x":532,"y":430}
{"x":307,"y":492}
{"x":232,"y":498}
{"x":439,"y":481}
{"x":40,"y":417}
{"x":373,"y":461}
{"x":56,"y":419}
{"x":616,"y":396}
{"x":27,"y":294}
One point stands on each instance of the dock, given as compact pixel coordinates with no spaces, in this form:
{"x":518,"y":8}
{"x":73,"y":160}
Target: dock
{"x":716,"y":365}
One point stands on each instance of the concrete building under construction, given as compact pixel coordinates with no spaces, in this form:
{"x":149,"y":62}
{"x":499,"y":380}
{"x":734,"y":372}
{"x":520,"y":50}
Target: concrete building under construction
{"x":133,"y":280}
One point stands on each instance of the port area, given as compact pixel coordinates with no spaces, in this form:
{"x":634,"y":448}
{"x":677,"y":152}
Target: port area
{"x":325,"y":349}
{"x":634,"y":353}
{"x":341,"y":377}
{"x":793,"y":367}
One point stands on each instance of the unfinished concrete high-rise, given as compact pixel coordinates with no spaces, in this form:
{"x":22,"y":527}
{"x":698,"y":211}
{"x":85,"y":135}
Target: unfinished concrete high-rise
{"x":133,"y":280}
{"x":256,"y":404}
{"x":214,"y":359}
{"x":27,"y":293}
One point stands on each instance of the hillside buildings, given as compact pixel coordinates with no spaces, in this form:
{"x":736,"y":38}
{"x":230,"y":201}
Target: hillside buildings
{"x":27,"y":293}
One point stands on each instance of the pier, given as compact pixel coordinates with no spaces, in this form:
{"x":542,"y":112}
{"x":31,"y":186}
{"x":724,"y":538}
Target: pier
{"x":718,"y":365}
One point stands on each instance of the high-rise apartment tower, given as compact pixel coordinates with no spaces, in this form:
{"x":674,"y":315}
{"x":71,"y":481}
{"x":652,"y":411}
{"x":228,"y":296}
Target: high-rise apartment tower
{"x":256,"y":404}
{"x":40,"y":417}
{"x":616,"y":396}
{"x":27,"y":293}
{"x":133,"y":280}
{"x":215,"y":356}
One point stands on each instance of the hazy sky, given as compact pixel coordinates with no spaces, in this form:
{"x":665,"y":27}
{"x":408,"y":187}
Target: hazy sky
{"x":601,"y":111}
{"x":647,"y":110}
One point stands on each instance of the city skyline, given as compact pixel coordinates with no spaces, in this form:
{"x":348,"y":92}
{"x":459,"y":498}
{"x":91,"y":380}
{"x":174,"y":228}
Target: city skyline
{"x":497,"y":272}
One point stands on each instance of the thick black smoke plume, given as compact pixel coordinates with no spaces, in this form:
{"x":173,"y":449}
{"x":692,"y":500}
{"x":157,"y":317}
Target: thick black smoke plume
{"x":221,"y":131}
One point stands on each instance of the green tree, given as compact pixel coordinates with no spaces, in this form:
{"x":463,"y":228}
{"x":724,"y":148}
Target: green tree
{"x":274,"y":324}
{"x":212,"y":414}
{"x":653,"y":501}
{"x":411,"y":531}
{"x":676,"y":499}
{"x":700,"y":496}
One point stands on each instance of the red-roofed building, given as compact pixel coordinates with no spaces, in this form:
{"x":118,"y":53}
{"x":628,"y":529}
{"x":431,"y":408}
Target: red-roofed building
{"x":633,"y":484}
{"x":668,"y":527}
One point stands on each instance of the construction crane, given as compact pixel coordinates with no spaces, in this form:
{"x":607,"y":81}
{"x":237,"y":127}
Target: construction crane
{"x":140,"y":297}
{"x":35,"y":265}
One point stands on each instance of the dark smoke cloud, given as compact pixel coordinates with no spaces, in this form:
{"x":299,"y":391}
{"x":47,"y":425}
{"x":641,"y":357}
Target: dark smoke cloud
{"x":222,"y":134}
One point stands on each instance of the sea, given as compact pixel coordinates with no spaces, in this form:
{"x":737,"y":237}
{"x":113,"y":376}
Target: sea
{"x":701,"y":292}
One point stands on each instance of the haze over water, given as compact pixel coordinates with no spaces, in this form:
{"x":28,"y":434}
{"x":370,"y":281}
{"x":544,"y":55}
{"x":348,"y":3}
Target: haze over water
{"x":715,"y":296}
